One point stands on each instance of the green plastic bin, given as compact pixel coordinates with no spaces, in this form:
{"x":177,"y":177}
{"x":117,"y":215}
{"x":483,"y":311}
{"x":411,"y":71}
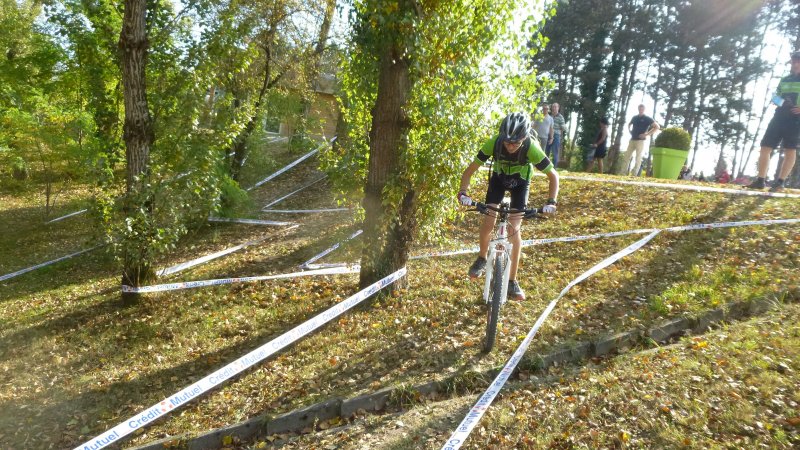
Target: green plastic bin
{"x":668,"y":162}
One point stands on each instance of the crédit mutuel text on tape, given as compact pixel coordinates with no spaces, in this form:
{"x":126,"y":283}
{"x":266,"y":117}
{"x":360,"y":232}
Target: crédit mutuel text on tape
{"x":189,"y":393}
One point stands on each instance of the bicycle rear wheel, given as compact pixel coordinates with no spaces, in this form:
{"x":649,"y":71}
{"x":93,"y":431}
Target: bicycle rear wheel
{"x":495,"y":300}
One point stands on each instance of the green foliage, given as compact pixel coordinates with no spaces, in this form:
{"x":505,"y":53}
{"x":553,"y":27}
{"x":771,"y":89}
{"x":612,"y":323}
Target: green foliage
{"x":468,"y":68}
{"x":19,"y":168}
{"x":149,"y":222}
{"x":674,"y":138}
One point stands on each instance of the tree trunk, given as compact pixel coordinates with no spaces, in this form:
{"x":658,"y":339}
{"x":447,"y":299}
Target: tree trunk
{"x":386,"y":247}
{"x":672,"y":95}
{"x":621,"y":120}
{"x":314,"y":71}
{"x":138,"y":132}
{"x":696,"y":147}
{"x":238,"y":151}
{"x":694,"y":85}
{"x":590,"y":88}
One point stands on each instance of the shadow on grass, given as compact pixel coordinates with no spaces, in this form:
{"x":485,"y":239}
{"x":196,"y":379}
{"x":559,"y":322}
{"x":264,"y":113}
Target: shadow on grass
{"x":115,"y":399}
{"x":63,"y":275}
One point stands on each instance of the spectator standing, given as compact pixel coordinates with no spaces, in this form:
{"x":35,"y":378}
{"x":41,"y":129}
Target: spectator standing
{"x":559,"y":131}
{"x":784,"y":127}
{"x":685,"y":174}
{"x":599,"y":147}
{"x":640,"y":127}
{"x":544,"y":128}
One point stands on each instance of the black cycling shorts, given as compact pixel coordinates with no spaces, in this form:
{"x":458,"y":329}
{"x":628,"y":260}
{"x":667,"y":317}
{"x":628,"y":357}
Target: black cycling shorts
{"x":779,"y":130}
{"x":600,"y":152}
{"x":500,"y":183}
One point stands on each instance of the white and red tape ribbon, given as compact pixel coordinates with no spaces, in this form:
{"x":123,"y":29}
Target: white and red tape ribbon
{"x":336,"y":270}
{"x":303,"y":211}
{"x":292,"y":164}
{"x":174,"y":401}
{"x":249,"y":221}
{"x":474,"y":416}
{"x":204,"y":259}
{"x":308,"y":264}
{"x":67,"y":215}
{"x":278,"y":200}
{"x":686,"y":187}
{"x":47,"y":263}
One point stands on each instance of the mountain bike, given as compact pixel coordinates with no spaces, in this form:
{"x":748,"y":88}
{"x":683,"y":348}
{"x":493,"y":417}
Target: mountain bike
{"x":498,"y":265}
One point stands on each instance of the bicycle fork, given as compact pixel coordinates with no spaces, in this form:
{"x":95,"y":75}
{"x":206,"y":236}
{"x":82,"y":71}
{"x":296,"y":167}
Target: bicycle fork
{"x":498,"y":248}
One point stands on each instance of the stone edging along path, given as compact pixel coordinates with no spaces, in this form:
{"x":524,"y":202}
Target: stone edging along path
{"x":310,"y":416}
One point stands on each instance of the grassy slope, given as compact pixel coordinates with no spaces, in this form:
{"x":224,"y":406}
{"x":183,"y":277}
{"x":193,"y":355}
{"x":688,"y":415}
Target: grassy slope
{"x":73,"y":363}
{"x":732,"y":388}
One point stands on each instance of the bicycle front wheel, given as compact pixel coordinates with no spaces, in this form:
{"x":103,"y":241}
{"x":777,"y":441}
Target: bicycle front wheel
{"x":495,"y":300}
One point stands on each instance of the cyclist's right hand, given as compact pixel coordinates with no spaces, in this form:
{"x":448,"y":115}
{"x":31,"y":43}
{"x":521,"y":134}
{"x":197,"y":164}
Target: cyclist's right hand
{"x":464,"y":199}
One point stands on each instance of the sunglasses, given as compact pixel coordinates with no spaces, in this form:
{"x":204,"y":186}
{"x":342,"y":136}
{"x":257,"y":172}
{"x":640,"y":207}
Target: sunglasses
{"x":509,"y":141}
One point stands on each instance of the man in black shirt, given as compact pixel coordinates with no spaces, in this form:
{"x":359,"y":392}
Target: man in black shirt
{"x":640,"y":127}
{"x":784,"y":127}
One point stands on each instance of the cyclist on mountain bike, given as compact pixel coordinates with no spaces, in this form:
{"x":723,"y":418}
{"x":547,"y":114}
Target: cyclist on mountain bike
{"x":514,"y":154}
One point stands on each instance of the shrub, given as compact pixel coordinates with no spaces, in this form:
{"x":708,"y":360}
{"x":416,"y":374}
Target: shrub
{"x":19,"y":168}
{"x":674,"y":138}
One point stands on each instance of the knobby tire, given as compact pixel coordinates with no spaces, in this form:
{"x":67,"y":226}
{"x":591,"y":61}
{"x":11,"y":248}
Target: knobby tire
{"x":493,"y":313}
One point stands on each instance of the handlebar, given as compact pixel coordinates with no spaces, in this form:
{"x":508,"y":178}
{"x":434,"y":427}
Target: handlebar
{"x":504,"y":210}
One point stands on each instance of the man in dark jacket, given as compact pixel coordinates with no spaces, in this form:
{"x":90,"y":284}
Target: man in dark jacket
{"x":783,"y":128}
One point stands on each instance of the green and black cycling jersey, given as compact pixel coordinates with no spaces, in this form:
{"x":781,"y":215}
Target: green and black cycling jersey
{"x":789,"y":90}
{"x":519,"y":163}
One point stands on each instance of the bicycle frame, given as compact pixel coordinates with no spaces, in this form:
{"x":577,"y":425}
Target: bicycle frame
{"x":499,"y":247}
{"x":495,"y":292}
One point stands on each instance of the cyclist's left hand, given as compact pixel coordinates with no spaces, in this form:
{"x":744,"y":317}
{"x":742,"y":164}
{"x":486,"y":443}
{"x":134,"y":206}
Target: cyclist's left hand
{"x":464,"y":199}
{"x":549,"y":209}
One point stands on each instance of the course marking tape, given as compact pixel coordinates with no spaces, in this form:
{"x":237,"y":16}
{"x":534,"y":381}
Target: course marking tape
{"x":313,"y":268}
{"x":292,"y":164}
{"x":173,"y":402}
{"x":530,"y":242}
{"x":249,"y":221}
{"x":746,"y":223}
{"x":294,"y":192}
{"x":204,"y":259}
{"x":465,"y":428}
{"x":66,"y":216}
{"x":39,"y":266}
{"x":340,"y":269}
{"x":307,"y":264}
{"x":684,"y":187}
{"x":303,"y":211}
{"x":701,"y":226}
{"x":329,"y":265}
{"x":271,"y":139}
{"x":473,"y":417}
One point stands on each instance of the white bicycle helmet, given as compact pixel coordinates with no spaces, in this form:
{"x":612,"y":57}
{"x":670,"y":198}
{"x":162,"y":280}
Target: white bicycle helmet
{"x":515,"y":127}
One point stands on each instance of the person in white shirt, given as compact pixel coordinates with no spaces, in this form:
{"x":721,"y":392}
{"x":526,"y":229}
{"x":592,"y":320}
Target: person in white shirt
{"x":544,"y":127}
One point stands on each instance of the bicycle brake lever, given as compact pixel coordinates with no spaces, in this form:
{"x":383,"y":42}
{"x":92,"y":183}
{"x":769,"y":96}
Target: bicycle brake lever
{"x":532,"y":214}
